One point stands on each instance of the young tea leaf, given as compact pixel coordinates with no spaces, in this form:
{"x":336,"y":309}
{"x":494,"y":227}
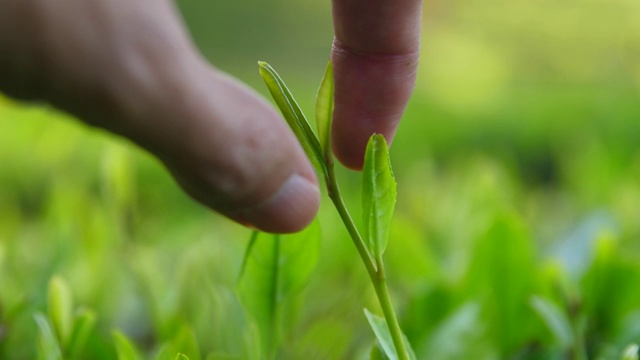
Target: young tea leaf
{"x":60,"y":309}
{"x":379,"y":192}
{"x":293,"y":115}
{"x":324,"y":110}
{"x":385,"y":342}
{"x":276,"y":268}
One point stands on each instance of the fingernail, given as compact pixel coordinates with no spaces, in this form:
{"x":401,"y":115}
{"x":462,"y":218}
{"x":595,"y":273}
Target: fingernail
{"x":290,"y":209}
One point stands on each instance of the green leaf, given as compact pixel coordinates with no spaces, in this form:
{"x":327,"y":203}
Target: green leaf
{"x":631,"y":352}
{"x":222,"y":356}
{"x":501,"y":276}
{"x":83,"y":324}
{"x":381,"y":330}
{"x":48,"y":346}
{"x":60,"y":309}
{"x":276,"y":268}
{"x":379,"y":192}
{"x":324,"y":110}
{"x":183,"y":342}
{"x":124,"y":348}
{"x":555,"y":319}
{"x":293,"y":115}
{"x":458,"y":334}
{"x":182,"y":357}
{"x":377,"y":353}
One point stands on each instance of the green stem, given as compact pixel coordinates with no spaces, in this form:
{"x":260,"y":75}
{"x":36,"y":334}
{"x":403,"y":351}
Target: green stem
{"x":380,"y":285}
{"x":374,"y":267}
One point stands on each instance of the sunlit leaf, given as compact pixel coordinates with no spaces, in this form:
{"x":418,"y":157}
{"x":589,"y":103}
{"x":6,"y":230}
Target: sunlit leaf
{"x":293,"y":115}
{"x":555,"y":319}
{"x":276,"y":268}
{"x":48,"y":345}
{"x":379,"y":192}
{"x":324,"y":110}
{"x":60,"y":309}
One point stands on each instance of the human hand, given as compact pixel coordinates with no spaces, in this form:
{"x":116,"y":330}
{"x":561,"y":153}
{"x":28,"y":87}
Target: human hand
{"x":129,"y":67}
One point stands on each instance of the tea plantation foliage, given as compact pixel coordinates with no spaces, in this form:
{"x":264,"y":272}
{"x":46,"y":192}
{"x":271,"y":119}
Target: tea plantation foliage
{"x":516,"y":233}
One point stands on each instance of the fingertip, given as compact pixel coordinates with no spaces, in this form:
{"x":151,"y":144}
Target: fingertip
{"x":371,"y":95}
{"x":290,"y":209}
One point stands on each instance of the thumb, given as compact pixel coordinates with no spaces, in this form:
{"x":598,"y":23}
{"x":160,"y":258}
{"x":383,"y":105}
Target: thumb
{"x":237,"y":155}
{"x":129,"y":67}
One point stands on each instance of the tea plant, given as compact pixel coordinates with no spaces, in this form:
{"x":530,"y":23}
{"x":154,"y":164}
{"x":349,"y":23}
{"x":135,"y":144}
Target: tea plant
{"x":379,"y":192}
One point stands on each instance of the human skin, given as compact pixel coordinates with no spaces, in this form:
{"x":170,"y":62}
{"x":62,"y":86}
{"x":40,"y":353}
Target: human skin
{"x":129,"y":66}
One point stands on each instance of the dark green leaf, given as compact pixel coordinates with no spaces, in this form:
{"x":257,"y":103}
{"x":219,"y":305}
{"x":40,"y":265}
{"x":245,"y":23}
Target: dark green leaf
{"x":276,"y":268}
{"x":379,"y":192}
{"x":293,"y":115}
{"x":324,"y":110}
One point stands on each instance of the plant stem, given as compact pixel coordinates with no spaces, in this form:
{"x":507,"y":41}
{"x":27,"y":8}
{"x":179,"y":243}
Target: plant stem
{"x":382,"y":291}
{"x":375,"y":267}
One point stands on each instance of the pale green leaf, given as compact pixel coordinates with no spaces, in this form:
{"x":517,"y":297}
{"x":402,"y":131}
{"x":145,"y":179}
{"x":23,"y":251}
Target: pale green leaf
{"x":293,"y":115}
{"x":631,"y":352}
{"x":381,"y":330}
{"x":556,"y":320}
{"x":124,"y":348}
{"x":48,"y":345}
{"x":379,"y":192}
{"x":324,"y":110}
{"x":60,"y":309}
{"x":276,"y":268}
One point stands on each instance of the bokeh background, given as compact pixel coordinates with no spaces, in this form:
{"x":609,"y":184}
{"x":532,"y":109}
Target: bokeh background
{"x":518,"y":164}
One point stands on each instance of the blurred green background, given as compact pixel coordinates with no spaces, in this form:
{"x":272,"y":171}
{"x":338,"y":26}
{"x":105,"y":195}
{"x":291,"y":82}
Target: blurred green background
{"x":519,"y":176}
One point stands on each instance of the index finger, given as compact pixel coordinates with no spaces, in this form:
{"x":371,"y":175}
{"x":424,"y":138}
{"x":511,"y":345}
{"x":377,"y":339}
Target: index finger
{"x":375,"y":58}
